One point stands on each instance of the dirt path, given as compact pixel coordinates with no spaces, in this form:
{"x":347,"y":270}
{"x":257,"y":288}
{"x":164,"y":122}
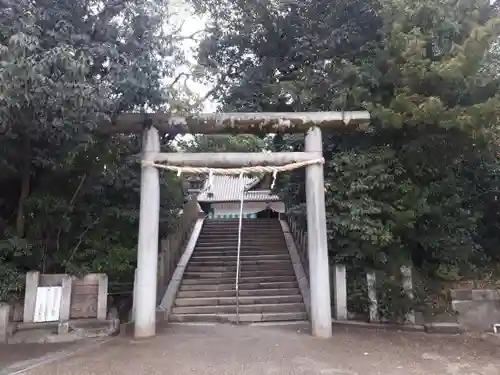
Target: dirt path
{"x":240,"y":350}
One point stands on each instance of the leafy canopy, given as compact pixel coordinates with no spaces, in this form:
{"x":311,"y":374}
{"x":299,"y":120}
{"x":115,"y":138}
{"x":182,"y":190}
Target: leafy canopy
{"x":416,"y":188}
{"x":70,"y":196}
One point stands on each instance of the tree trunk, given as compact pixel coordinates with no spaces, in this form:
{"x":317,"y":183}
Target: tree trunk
{"x":25,"y":187}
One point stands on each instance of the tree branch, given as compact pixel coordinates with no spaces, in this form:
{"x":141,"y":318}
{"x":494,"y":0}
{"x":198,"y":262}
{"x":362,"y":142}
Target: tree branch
{"x":188,"y":37}
{"x":79,"y":243}
{"x":178,"y":78}
{"x":71,"y":204}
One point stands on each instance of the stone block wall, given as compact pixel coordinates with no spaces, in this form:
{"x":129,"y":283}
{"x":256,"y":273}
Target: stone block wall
{"x":476,"y":309}
{"x":82,"y":297}
{"x":4,"y":322}
{"x":16,"y":310}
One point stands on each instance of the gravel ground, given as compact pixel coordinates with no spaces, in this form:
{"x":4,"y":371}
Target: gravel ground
{"x":251,"y":350}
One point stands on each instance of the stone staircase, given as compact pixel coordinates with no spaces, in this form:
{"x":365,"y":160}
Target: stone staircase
{"x":268,"y":287}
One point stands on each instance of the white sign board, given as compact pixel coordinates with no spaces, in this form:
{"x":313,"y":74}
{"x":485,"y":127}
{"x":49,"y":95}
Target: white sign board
{"x":48,"y":304}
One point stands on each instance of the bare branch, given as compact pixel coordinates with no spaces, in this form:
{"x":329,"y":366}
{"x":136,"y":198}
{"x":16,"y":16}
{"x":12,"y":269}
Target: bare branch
{"x":178,"y":78}
{"x":188,"y":37}
{"x":79,"y":243}
{"x":70,"y":208}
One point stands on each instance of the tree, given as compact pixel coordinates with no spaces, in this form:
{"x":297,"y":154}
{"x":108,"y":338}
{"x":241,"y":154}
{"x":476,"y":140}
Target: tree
{"x":269,"y":56}
{"x":70,"y":194}
{"x":222,"y":143}
{"x":427,"y":72}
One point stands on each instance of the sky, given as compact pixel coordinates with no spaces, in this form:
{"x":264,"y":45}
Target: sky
{"x":192,"y":23}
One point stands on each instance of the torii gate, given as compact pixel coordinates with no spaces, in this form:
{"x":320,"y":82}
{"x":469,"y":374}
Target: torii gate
{"x":310,"y":123}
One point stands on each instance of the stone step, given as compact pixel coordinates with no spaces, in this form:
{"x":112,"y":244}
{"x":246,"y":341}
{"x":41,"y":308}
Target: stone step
{"x":244,"y":220}
{"x":223,"y":261}
{"x":243,"y":274}
{"x":267,"y":227}
{"x":231,"y":243}
{"x":230,"y":285}
{"x":235,"y":222}
{"x":222,"y":255}
{"x":242,"y":293}
{"x":274,"y":233}
{"x":254,"y":236}
{"x":246,"y":238}
{"x":197,"y":257}
{"x":234,"y":248}
{"x":243,"y":300}
{"x":243,"y":246}
{"x":193,"y":267}
{"x":266,"y":230}
{"x":244,"y":226}
{"x":243,"y":318}
{"x":243,"y":309}
{"x":243,"y":280}
{"x":234,"y":254}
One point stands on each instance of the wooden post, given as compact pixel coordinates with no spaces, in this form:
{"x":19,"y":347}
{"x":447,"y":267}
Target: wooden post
{"x":134,"y":298}
{"x":317,"y":245}
{"x":161,"y":276}
{"x":371,"y":284}
{"x":406,"y":273}
{"x":30,"y":292}
{"x":147,"y":254}
{"x":340,"y":291}
{"x":4,"y":322}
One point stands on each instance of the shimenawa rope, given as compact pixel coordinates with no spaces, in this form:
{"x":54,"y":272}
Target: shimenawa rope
{"x":234,"y":171}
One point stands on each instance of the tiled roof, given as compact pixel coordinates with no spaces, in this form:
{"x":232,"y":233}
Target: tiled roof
{"x":228,"y":189}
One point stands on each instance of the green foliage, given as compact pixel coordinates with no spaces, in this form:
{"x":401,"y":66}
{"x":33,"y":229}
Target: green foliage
{"x":370,"y":205}
{"x":357,"y":292}
{"x":70,"y":196}
{"x":12,"y":250}
{"x":222,"y":143}
{"x":422,"y":185}
{"x":394,"y":302}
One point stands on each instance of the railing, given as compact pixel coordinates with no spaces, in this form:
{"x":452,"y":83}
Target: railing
{"x":298,"y":229}
{"x":171,"y":248}
{"x":240,"y":222}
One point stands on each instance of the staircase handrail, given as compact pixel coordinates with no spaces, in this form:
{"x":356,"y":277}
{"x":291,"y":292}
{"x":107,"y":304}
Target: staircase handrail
{"x":240,"y":222}
{"x":298,"y":228}
{"x":171,"y":247}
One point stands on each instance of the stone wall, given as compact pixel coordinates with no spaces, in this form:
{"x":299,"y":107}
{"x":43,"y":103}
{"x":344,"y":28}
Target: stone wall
{"x":16,"y":310}
{"x":4,"y":322}
{"x":83,"y":310}
{"x":248,"y":207}
{"x":476,"y":309}
{"x":86,"y":297}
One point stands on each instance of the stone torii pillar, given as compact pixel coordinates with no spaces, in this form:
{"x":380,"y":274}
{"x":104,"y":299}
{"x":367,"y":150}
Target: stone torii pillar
{"x":317,"y":244}
{"x":147,"y":249}
{"x":220,"y":123}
